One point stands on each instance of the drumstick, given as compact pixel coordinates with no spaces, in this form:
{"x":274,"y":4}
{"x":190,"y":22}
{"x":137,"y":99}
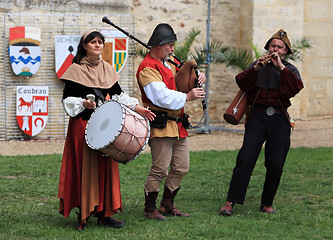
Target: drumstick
{"x":99,"y":94}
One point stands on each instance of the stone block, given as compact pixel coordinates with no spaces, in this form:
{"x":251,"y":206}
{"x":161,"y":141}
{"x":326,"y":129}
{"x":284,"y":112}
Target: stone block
{"x":265,"y":2}
{"x":318,"y":10}
{"x":318,"y":87}
{"x":263,"y":11}
{"x":318,"y":29}
{"x":272,"y":25}
{"x":329,"y":88}
{"x":285,"y":11}
{"x":321,"y":47}
{"x":318,"y":67}
{"x":320,"y":106}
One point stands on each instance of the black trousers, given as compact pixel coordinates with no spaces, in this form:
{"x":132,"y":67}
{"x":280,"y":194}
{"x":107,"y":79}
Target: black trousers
{"x":275,"y":132}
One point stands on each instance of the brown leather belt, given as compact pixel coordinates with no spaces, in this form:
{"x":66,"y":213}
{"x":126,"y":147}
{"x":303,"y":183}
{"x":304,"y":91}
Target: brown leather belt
{"x":269,"y":110}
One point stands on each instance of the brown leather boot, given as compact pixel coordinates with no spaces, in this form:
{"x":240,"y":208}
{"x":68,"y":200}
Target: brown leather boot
{"x":150,"y":210}
{"x":167,"y":207}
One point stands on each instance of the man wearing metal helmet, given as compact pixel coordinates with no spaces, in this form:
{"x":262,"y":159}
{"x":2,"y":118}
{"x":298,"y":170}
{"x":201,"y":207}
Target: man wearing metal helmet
{"x":269,"y":83}
{"x":168,"y":136}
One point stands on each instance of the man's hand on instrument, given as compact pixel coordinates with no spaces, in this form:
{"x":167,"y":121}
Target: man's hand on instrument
{"x":88,"y":104}
{"x":276,"y":60}
{"x":195,"y":93}
{"x":145,"y":112}
{"x":201,"y":79}
{"x":260,"y":60}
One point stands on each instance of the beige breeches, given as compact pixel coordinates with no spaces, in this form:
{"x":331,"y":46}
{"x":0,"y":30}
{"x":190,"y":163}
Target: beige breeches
{"x":167,"y":152}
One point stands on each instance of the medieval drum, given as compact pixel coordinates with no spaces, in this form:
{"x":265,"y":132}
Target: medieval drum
{"x":117,"y":131}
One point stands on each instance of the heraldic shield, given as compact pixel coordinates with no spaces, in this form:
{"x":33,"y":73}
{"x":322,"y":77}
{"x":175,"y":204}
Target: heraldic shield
{"x":24,"y":50}
{"x":32,"y":108}
{"x":116,"y":48}
{"x":65,"y":50}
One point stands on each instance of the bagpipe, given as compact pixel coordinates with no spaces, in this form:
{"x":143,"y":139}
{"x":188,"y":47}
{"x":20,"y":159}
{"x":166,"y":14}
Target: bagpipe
{"x":186,"y":77}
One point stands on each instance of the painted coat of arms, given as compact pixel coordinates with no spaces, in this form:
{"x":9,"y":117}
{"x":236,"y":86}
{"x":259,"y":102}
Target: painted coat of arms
{"x":24,"y":50}
{"x":116,"y":48}
{"x":65,"y":50}
{"x":32,"y":108}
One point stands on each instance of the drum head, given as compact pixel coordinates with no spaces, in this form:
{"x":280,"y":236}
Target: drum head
{"x":104,"y":125}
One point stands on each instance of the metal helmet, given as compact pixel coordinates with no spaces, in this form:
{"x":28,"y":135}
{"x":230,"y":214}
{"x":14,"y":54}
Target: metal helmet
{"x":163,"y":33}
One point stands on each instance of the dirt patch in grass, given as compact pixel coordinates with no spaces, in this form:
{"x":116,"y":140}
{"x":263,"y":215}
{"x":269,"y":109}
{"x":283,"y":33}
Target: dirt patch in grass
{"x":309,"y":132}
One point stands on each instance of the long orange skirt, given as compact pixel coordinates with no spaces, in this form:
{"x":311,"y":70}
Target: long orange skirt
{"x":87,"y":180}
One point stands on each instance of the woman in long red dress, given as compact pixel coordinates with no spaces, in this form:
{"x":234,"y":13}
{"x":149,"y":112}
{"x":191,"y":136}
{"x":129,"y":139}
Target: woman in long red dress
{"x":88,"y":180}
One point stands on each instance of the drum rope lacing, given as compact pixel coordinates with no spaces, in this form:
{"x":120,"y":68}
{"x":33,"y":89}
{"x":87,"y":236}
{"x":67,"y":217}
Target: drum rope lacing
{"x":132,"y":138}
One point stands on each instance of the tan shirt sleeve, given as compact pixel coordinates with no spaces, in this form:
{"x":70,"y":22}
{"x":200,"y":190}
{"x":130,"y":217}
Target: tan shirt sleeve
{"x":148,"y":75}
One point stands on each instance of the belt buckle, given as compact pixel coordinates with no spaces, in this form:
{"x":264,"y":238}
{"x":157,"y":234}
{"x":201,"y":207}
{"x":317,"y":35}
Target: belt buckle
{"x":270,"y":111}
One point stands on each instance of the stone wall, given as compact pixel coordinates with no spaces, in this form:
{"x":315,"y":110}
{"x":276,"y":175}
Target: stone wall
{"x":60,"y":6}
{"x":234,"y":22}
{"x":318,"y":61}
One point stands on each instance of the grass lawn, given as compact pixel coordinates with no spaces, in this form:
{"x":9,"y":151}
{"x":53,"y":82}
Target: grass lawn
{"x":29,"y":204}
